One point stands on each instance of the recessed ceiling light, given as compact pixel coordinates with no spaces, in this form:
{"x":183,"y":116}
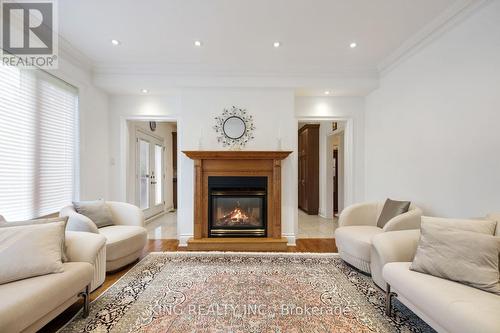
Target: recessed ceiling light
{"x":144,"y":91}
{"x":197,"y":43}
{"x":353,"y":45}
{"x":327,"y":92}
{"x":115,"y":42}
{"x":276,"y":44}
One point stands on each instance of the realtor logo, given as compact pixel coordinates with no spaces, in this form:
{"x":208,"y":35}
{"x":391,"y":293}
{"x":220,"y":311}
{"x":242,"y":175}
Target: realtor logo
{"x":29,"y":36}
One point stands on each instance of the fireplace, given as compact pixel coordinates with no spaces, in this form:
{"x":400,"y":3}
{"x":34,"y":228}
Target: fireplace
{"x":237,"y":206}
{"x":237,"y":201}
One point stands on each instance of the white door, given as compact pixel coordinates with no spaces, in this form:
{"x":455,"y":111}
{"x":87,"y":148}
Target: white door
{"x":150,"y":174}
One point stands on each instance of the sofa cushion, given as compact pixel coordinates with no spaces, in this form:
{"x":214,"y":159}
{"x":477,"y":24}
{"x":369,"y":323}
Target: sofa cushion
{"x":391,"y":209}
{"x":26,"y":301}
{"x":454,"y":306}
{"x":122,"y":240}
{"x":4,"y":224}
{"x":463,"y":256}
{"x":97,"y":211}
{"x":30,"y":250}
{"x":356,"y":240}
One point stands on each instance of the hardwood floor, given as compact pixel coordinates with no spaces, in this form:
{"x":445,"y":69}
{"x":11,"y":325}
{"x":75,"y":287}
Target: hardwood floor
{"x":171,"y":245}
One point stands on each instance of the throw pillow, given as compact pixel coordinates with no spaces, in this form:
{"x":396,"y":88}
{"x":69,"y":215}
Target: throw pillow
{"x":392,"y":208}
{"x":482,"y":226}
{"x":495,"y":217}
{"x":30,"y":250}
{"x":97,"y":211}
{"x":5,"y":224}
{"x":464,"y":256}
{"x":2,"y":219}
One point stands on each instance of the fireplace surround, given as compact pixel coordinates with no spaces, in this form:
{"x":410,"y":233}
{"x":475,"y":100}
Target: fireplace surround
{"x":245,"y":187}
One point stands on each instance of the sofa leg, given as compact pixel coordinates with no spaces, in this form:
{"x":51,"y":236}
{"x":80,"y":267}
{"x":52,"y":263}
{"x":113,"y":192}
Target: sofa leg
{"x":86,"y":301}
{"x":388,"y":300}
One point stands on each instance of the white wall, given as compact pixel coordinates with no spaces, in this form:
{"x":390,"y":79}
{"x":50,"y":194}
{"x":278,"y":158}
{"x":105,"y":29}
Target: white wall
{"x":432,"y":128}
{"x":350,"y":109}
{"x":195,"y":109}
{"x":93,"y":108}
{"x":132,"y":107}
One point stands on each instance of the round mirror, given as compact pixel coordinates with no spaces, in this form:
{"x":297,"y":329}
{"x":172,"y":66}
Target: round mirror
{"x":234,"y":127}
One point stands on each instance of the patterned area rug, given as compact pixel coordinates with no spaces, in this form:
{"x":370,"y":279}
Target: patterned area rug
{"x":244,"y":292}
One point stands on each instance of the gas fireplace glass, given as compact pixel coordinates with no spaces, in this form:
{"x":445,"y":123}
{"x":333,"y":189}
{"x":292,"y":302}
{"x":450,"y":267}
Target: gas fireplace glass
{"x":238,"y":212}
{"x":237,"y":206}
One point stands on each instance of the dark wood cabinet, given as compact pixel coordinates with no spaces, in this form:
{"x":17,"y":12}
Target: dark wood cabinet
{"x":309,"y":168}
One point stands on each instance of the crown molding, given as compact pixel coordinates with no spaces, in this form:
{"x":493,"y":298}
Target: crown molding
{"x":442,"y":23}
{"x":180,"y":69}
{"x":70,"y":53}
{"x":158,"y":84}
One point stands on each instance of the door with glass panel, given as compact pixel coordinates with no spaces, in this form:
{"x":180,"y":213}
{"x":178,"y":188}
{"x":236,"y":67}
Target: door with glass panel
{"x":150,"y":174}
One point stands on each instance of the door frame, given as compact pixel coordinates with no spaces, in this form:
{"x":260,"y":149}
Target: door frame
{"x":124,"y":157}
{"x":154,"y":209}
{"x":349,"y":150}
{"x":336,"y":182}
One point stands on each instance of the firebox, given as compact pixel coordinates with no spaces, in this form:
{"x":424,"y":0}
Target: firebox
{"x":237,"y":206}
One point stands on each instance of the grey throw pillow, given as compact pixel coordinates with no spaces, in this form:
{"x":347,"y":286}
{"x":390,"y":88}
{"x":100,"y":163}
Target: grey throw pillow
{"x":2,"y":219}
{"x":64,"y":220}
{"x":98,"y":211}
{"x":468,"y":257}
{"x":392,"y":208}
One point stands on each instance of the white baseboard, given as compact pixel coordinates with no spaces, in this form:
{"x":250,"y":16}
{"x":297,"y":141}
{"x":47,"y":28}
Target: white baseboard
{"x":184,"y":238}
{"x":290,"y":238}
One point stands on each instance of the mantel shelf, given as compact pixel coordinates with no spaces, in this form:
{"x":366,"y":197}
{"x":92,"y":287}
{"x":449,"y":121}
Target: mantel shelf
{"x":236,"y":155}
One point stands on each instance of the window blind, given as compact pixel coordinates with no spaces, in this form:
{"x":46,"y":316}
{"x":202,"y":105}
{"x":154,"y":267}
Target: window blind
{"x":38,"y":143}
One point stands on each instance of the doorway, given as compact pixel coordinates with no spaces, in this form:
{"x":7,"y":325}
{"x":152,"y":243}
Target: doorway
{"x":152,"y":174}
{"x":320,"y":177}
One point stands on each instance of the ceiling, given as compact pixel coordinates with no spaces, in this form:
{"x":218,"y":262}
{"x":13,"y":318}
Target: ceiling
{"x":157,"y":36}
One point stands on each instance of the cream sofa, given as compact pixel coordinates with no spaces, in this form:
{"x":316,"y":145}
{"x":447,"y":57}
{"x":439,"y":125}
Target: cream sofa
{"x":445,"y":305}
{"x":125,"y":240}
{"x":27,"y":305}
{"x":357,"y":226}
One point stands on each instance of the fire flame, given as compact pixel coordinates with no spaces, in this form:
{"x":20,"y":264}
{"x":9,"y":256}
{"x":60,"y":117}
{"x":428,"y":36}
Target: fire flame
{"x":237,"y":214}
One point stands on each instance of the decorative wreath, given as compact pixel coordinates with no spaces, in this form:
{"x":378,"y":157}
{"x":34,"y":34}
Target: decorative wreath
{"x":234,"y":114}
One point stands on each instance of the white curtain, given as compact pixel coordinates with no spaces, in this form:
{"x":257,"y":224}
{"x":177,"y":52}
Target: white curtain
{"x":38,"y":143}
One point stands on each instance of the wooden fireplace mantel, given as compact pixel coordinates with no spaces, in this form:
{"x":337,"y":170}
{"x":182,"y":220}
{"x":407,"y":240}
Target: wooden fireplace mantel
{"x":237,"y":163}
{"x":236,"y":155}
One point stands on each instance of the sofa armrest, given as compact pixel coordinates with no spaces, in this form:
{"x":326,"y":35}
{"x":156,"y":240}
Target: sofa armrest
{"x":78,"y":222}
{"x":359,"y":214}
{"x":126,"y":214}
{"x":83,"y":246}
{"x":395,"y":246}
{"x":495,"y":217}
{"x":406,"y":221}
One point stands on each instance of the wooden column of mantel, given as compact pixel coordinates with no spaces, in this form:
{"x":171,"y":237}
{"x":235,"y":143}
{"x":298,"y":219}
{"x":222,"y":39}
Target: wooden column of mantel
{"x":237,"y":163}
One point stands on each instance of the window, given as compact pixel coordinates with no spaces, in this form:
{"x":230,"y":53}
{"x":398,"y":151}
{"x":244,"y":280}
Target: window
{"x":38,"y":143}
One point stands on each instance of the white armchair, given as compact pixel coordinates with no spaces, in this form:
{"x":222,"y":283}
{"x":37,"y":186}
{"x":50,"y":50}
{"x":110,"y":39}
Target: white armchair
{"x":357,"y":226}
{"x":125,"y":239}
